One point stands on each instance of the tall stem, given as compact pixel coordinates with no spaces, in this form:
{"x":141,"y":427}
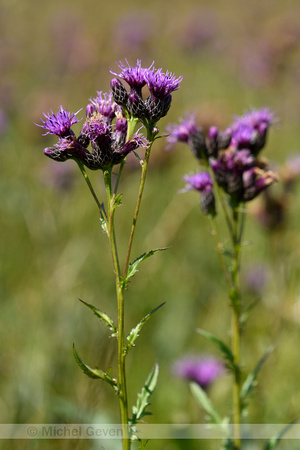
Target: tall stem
{"x":236,"y":329}
{"x":122,"y":394}
{"x":139,"y":199}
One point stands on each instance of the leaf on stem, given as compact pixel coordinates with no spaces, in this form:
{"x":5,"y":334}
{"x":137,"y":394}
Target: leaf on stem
{"x":273,"y":442}
{"x":202,"y":398}
{"x":138,"y":411}
{"x":134,"y":333}
{"x":221,"y":346}
{"x":250,"y":381}
{"x":133,"y":267}
{"x":102,"y":316}
{"x":118,"y":200}
{"x":94,"y":373}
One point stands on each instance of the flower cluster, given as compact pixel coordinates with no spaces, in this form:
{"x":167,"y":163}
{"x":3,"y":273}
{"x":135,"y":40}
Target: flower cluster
{"x":203,"y":370}
{"x":160,"y":86}
{"x":106,"y":124}
{"x":232,"y":156}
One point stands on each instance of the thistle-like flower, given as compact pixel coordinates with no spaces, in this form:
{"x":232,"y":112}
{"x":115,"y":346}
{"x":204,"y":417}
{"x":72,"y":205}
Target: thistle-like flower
{"x":203,"y":183}
{"x":105,"y":129}
{"x":160,"y":85}
{"x":59,"y":124}
{"x":203,"y":370}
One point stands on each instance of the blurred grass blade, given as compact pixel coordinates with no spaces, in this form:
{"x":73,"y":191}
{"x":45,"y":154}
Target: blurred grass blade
{"x":93,"y":373}
{"x":138,"y":411}
{"x":250,"y":381}
{"x":104,"y":317}
{"x":134,"y":333}
{"x":202,"y":398}
{"x":220,"y":344}
{"x":273,"y":442}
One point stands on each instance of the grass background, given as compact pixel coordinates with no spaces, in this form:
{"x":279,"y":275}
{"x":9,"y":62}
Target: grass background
{"x":233,"y":55}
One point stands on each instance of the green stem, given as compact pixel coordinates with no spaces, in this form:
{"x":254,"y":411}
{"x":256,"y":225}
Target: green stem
{"x":236,"y":328}
{"x":218,"y":245}
{"x":89,"y":184}
{"x":122,"y":394}
{"x":144,"y":165}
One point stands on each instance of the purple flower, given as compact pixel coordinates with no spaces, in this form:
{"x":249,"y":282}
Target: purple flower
{"x":161,"y":84}
{"x":182,"y":132}
{"x":134,"y":76}
{"x":201,"y":181}
{"x":104,"y":105}
{"x":203,"y":370}
{"x":250,"y":130}
{"x":59,"y":124}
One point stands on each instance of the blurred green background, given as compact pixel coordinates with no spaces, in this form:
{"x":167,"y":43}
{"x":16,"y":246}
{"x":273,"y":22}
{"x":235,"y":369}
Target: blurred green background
{"x":233,"y":55}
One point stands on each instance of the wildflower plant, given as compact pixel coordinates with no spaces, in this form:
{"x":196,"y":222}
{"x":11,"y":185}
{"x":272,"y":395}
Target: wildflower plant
{"x":232,"y":173}
{"x":110,"y":130}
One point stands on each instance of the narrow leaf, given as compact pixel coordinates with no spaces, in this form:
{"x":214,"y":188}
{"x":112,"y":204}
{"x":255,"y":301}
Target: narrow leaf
{"x":104,"y":317}
{"x":202,"y":398}
{"x":93,"y":373}
{"x":250,"y":381}
{"x":134,"y":333}
{"x":138,"y":411}
{"x":220,"y":344}
{"x":118,"y":200}
{"x":132,"y":269}
{"x":273,"y":442}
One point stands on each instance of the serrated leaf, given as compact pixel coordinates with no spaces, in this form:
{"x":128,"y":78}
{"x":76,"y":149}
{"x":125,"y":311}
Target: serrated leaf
{"x":138,"y":411}
{"x":273,"y":442}
{"x":250,"y":381}
{"x":133,"y":267}
{"x":102,"y":316}
{"x":202,"y":398}
{"x":134,"y":333}
{"x":220,"y":344}
{"x":94,"y":373}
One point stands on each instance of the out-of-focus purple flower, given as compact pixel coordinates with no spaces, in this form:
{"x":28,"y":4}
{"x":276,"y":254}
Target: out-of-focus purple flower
{"x":133,"y":31}
{"x":59,"y":124}
{"x":203,"y":370}
{"x":250,"y":130}
{"x":256,"y":278}
{"x":187,"y":131}
{"x":203,"y":183}
{"x":182,"y":132}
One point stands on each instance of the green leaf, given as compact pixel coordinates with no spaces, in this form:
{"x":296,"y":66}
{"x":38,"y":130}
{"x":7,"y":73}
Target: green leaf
{"x":134,"y":333}
{"x":104,"y":317}
{"x":138,"y":411}
{"x":94,"y":373}
{"x":103,"y":224}
{"x":133,"y":267}
{"x":273,"y":442}
{"x":250,"y":381}
{"x":118,"y":200}
{"x":202,"y":398}
{"x":221,"y":345}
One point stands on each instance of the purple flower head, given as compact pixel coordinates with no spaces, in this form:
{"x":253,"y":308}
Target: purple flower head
{"x":201,"y":181}
{"x":103,"y":104}
{"x":161,"y":84}
{"x":96,"y":126}
{"x":250,"y":130}
{"x":181,"y":132}
{"x":203,"y":370}
{"x":255,"y":180}
{"x":59,"y":124}
{"x":134,"y":76}
{"x":137,"y":141}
